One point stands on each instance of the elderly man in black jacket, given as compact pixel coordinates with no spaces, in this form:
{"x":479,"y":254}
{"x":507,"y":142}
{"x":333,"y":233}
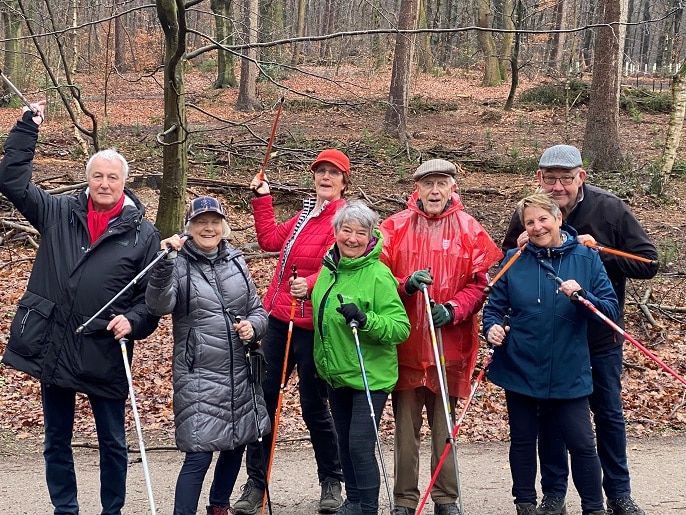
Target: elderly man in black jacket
{"x":600,"y":216}
{"x":92,"y":246}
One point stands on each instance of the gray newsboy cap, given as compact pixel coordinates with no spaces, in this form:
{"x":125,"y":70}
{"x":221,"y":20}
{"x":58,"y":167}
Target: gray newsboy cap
{"x":561,"y":156}
{"x":435,"y":167}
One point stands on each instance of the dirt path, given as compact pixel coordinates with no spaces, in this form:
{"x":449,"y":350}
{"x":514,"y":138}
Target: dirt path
{"x":656,"y":464}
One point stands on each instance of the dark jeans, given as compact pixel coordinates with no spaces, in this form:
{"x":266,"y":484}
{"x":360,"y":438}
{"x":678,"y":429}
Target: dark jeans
{"x":608,"y":415}
{"x":356,"y":442}
{"x":313,"y":401}
{"x":58,"y":414}
{"x":573,"y":418}
{"x":192,"y":475}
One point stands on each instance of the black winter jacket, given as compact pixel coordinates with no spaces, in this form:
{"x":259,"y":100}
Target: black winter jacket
{"x":610,"y":221}
{"x":71,"y":280}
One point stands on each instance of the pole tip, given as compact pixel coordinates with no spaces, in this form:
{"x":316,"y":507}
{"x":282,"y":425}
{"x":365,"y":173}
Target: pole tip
{"x":79,"y":329}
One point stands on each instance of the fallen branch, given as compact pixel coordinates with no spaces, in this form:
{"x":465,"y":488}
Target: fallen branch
{"x":646,"y":311}
{"x":21,"y":227}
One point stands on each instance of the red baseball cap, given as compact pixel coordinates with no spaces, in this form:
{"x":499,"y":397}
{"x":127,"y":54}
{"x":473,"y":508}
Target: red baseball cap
{"x":335,"y":157}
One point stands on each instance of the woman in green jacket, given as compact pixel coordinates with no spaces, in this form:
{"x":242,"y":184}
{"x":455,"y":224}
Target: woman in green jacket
{"x":355,"y":287}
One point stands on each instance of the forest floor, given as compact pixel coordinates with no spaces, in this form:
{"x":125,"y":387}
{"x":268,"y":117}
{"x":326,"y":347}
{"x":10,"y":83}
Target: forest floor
{"x":452,"y":117}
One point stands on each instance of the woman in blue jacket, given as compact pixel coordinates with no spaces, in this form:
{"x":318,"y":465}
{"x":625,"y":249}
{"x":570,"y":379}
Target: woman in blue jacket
{"x":542,"y":359}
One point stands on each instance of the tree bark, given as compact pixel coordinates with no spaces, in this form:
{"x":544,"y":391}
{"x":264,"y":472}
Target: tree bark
{"x":508,"y":38}
{"x":487,"y":44}
{"x":223,"y":25}
{"x":296,"y":48}
{"x":172,"y":16}
{"x":11,"y":24}
{"x":247,"y":88}
{"x":395,"y":120}
{"x":602,"y":141}
{"x":676,"y":125}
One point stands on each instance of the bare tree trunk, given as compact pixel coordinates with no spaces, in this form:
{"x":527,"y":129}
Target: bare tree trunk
{"x":11,"y":24}
{"x":247,"y":89}
{"x":601,"y":140}
{"x":508,"y":37}
{"x":296,"y":48}
{"x":226,"y":77}
{"x":556,"y":41}
{"x":120,"y":62}
{"x":395,"y":121}
{"x":425,"y":60}
{"x":514,"y":59}
{"x":487,"y":44}
{"x":172,"y":16}
{"x":676,"y":125}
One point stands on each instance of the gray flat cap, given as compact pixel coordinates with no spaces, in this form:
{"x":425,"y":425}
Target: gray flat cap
{"x":435,"y":167}
{"x":561,"y":156}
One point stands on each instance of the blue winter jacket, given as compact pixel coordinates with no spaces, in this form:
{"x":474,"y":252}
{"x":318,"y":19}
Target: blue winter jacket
{"x":545,"y":354}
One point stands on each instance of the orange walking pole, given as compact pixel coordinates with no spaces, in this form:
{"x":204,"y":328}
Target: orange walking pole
{"x":261,"y":175}
{"x":619,"y":253}
{"x":501,"y":272}
{"x":282,"y":387}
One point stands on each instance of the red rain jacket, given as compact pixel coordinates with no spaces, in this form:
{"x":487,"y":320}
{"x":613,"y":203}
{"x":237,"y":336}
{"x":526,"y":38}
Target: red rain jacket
{"x":459,"y":252}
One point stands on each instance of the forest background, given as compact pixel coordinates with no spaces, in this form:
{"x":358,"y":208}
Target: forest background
{"x":189,"y":92}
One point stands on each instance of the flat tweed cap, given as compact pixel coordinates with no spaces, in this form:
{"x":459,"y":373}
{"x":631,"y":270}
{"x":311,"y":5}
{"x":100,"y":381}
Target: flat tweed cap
{"x":561,"y":156}
{"x":435,"y":167}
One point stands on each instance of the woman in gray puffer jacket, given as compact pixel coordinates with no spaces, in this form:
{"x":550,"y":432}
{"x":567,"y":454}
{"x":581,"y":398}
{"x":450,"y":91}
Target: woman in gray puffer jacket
{"x":216,"y":315}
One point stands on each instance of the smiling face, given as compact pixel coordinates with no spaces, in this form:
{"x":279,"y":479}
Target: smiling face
{"x":434,"y":192}
{"x":105,"y":183}
{"x":207,"y":231}
{"x":329,"y":182}
{"x":562,"y":184}
{"x":542,"y":226}
{"x":352,"y":239}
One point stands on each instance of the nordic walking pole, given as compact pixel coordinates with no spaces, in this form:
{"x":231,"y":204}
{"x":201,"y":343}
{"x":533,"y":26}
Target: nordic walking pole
{"x":441,"y":383}
{"x":501,"y":272}
{"x":353,"y":326}
{"x":460,"y":419}
{"x":599,"y":314}
{"x":261,"y":174}
{"x":620,"y":253}
{"x":282,"y":387}
{"x":16,"y":91}
{"x":140,"y":275}
{"x":144,"y":458}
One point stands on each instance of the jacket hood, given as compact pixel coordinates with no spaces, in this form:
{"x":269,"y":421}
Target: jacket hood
{"x":224,"y":251}
{"x":374,"y":254}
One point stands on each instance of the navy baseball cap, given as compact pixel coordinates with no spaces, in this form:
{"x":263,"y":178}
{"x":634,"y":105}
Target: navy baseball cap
{"x":203,"y":205}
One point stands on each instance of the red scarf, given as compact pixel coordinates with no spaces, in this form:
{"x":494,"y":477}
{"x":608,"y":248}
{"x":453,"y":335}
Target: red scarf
{"x":98,"y":222}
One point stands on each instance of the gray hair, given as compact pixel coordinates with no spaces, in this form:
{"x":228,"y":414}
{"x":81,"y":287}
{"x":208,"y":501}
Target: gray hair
{"x":111,"y":155}
{"x":356,"y":211}
{"x":226,"y":230}
{"x":539,"y":198}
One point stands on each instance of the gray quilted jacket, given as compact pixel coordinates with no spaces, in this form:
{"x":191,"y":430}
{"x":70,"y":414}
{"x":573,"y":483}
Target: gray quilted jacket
{"x":213,"y":398}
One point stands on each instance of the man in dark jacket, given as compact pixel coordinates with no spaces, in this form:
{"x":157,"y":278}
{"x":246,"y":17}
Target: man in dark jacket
{"x":92,"y":246}
{"x":599,"y":216}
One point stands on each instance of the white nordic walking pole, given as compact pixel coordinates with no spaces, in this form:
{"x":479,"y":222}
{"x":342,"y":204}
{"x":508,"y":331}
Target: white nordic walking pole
{"x":353,"y":326}
{"x":444,"y":391}
{"x":144,"y":459}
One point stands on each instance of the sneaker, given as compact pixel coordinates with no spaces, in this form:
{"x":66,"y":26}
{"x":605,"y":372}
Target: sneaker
{"x":624,"y":506}
{"x":552,"y":506}
{"x":250,"y":501}
{"x":446,"y":509}
{"x":526,"y":508}
{"x":349,"y":508}
{"x":403,"y":510}
{"x":331,"y":499}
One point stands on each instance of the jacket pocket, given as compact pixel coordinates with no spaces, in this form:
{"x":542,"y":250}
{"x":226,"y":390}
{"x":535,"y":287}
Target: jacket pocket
{"x":31,"y":325}
{"x":98,"y":355}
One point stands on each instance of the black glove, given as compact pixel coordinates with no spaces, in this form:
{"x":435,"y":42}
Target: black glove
{"x":579,"y":293}
{"x":442,"y":314}
{"x":416,"y":280}
{"x":352,"y":313}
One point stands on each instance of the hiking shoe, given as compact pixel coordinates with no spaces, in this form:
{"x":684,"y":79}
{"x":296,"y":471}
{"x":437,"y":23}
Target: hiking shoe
{"x":403,"y":510}
{"x":331,"y":499}
{"x":446,"y":509}
{"x":552,"y":506}
{"x":624,"y":506}
{"x":526,"y":508}
{"x":349,"y":508}
{"x":250,"y":501}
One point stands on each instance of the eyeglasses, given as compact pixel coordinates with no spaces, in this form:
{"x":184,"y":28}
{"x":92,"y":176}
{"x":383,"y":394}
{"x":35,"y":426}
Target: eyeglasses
{"x":334,"y":174}
{"x":565,"y":181}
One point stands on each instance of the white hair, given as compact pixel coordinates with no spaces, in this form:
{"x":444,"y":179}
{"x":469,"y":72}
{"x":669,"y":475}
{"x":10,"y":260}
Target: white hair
{"x":111,"y":155}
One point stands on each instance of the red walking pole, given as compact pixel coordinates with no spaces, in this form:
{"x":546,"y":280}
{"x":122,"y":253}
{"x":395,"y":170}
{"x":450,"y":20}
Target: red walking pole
{"x":261,"y":173}
{"x":501,"y":272}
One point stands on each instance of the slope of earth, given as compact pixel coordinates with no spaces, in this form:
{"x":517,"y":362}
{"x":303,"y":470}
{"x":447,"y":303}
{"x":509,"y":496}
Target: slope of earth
{"x":452,"y":117}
